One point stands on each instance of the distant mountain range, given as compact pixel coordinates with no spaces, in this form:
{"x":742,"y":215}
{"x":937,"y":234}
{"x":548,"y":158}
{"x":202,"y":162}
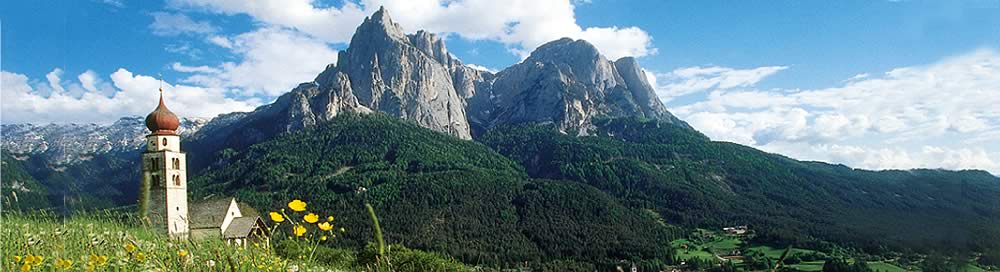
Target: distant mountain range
{"x":569,"y":144}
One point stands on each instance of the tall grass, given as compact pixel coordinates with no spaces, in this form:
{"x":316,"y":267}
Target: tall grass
{"x":110,"y":241}
{"x":117,"y":240}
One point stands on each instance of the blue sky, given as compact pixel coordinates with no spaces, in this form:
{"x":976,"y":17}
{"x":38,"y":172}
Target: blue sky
{"x":873,"y":84}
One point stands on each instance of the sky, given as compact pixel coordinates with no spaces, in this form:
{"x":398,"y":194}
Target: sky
{"x":874,"y":84}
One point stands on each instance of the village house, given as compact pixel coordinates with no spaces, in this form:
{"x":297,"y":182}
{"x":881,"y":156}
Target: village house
{"x":735,"y":230}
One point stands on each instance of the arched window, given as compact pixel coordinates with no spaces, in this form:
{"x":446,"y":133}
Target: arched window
{"x":164,"y":141}
{"x":177,"y":163}
{"x":177,"y":180}
{"x":155,"y":181}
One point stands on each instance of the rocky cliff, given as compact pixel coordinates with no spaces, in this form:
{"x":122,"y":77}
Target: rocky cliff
{"x":569,"y":83}
{"x":405,"y":76}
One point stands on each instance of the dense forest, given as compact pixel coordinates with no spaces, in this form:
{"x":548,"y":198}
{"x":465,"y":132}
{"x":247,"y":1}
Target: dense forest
{"x":530,"y":193}
{"x":100,"y":181}
{"x":439,"y":193}
{"x":692,"y":181}
{"x":20,"y":190}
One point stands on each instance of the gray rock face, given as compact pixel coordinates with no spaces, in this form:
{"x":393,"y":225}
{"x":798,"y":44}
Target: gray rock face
{"x":70,"y":143}
{"x":569,"y":83}
{"x":405,"y":76}
{"x":306,"y":106}
{"x":566,"y":82}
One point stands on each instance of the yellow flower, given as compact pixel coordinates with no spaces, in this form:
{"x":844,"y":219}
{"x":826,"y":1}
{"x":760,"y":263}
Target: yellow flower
{"x":140,"y":257}
{"x":26,"y":267}
{"x":297,"y":205}
{"x":28,"y":259}
{"x":17,"y":259}
{"x":322,"y":238}
{"x":37,"y":260}
{"x":129,"y":247}
{"x":325,"y":226}
{"x":299,"y":230}
{"x":182,"y":253}
{"x":329,"y":218}
{"x":311,"y":218}
{"x":277,"y":217}
{"x":63,"y":263}
{"x":102,"y":260}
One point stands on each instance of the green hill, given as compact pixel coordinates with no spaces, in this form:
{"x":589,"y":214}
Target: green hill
{"x":19,"y":189}
{"x":439,"y":193}
{"x":693,"y":181}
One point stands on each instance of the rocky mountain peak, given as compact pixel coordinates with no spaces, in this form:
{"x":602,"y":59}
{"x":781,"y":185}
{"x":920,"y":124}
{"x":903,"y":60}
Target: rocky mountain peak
{"x":565,"y":50}
{"x":433,"y":46}
{"x":578,"y":58}
{"x":377,"y":26}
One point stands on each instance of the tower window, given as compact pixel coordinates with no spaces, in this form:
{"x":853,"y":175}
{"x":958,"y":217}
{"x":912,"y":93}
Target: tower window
{"x":177,"y":163}
{"x":164,"y":141}
{"x":177,"y":180}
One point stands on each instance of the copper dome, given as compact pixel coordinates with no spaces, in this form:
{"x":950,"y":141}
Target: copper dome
{"x":161,"y":120}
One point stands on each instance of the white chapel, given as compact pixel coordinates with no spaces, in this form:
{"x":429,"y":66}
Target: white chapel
{"x":163,"y":197}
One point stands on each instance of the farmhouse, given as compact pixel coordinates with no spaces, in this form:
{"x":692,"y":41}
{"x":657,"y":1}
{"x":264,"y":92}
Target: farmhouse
{"x":735,"y":230}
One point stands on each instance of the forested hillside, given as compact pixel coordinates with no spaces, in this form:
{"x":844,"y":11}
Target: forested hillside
{"x":20,"y":190}
{"x":437,"y":192}
{"x":620,"y":194}
{"x":692,"y":181}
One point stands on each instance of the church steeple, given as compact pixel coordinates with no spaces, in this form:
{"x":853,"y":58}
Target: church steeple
{"x":163,"y":193}
{"x":162,"y":120}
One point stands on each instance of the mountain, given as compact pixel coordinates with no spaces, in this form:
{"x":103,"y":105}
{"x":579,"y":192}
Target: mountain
{"x":405,"y":76}
{"x":569,"y":83}
{"x":63,"y":144}
{"x":19,"y":189}
{"x":436,"y":192}
{"x":692,"y":181}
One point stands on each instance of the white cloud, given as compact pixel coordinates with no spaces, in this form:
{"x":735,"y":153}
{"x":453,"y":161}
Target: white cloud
{"x":177,"y":66}
{"x":54,"y":80}
{"x":130,"y":95}
{"x":114,"y":3}
{"x":221,"y":41}
{"x":690,"y":80}
{"x":520,"y":24}
{"x":870,"y":121}
{"x":89,"y":80}
{"x":273,"y":60}
{"x":173,"y":24}
{"x":481,"y":68}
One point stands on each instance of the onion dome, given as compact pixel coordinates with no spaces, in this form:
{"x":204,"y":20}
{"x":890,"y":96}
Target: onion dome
{"x":161,"y":120}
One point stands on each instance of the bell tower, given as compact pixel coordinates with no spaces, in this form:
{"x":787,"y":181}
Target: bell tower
{"x":163,"y":192}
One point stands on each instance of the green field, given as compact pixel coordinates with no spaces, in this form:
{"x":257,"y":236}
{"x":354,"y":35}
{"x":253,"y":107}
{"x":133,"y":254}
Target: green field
{"x":809,"y":266}
{"x":724,"y":246}
{"x":885,"y":267}
{"x":972,"y":268}
{"x":693,"y":250}
{"x":775,"y":253}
